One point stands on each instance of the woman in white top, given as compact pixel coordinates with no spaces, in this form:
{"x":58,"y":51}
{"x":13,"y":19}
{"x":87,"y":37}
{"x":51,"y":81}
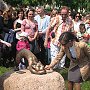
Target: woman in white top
{"x":20,"y":17}
{"x":77,"y":21}
{"x":18,"y":22}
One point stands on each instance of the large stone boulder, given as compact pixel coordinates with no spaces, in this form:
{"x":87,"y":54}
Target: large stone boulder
{"x":24,"y":80}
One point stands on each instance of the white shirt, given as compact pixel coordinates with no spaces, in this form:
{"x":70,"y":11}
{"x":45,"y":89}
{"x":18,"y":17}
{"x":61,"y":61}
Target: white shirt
{"x":73,"y":52}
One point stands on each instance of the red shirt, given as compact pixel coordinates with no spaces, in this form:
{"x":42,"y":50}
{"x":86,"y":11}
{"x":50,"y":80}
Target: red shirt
{"x":22,"y":44}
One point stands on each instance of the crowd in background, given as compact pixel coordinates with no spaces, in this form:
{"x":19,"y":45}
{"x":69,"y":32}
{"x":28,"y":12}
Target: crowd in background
{"x":44,"y":34}
{"x":43,"y":30}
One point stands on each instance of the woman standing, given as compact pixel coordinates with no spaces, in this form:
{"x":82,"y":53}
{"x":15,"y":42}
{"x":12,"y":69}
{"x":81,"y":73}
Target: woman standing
{"x":18,"y":22}
{"x":20,"y":17}
{"x":79,"y":55}
{"x":30,"y":26}
{"x":77,"y":21}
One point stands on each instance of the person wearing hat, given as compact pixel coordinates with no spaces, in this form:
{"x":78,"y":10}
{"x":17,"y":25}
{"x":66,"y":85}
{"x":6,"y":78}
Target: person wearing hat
{"x":22,"y":43}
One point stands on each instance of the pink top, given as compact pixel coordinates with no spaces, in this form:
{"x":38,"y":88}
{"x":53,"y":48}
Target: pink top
{"x":22,"y":44}
{"x":48,"y":46}
{"x":29,"y":27}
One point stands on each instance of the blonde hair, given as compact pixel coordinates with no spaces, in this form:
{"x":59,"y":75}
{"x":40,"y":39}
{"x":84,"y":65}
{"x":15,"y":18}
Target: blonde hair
{"x":64,"y":7}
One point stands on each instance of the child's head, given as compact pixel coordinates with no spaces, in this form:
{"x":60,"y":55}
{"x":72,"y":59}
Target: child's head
{"x":23,"y":35}
{"x":82,"y":28}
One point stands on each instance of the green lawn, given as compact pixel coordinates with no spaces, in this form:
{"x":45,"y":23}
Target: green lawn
{"x":85,"y":85}
{"x":3,"y":70}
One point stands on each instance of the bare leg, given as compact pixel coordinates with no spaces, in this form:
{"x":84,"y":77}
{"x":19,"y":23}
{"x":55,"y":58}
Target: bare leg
{"x":77,"y":86}
{"x":70,"y":85}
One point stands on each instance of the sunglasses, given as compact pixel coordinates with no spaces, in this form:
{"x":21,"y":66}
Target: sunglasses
{"x":63,"y":14}
{"x":63,"y":44}
{"x":77,"y":16}
{"x":31,"y":14}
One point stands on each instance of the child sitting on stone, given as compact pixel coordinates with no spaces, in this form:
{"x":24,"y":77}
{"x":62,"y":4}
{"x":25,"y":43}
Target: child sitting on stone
{"x":22,"y":43}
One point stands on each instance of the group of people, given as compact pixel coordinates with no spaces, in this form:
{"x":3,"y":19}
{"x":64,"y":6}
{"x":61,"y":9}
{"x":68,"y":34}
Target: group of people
{"x":65,"y":39}
{"x":51,"y":38}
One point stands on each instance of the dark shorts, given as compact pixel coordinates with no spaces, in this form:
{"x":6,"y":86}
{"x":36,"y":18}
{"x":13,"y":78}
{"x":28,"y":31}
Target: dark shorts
{"x":74,"y":75}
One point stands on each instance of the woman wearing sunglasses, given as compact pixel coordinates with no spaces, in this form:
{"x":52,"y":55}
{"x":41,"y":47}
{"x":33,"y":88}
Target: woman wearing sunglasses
{"x":79,"y":55}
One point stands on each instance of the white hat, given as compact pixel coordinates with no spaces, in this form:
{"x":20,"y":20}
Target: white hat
{"x":23,"y":34}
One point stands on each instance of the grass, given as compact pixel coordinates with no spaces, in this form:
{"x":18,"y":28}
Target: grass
{"x":3,"y":70}
{"x":84,"y":86}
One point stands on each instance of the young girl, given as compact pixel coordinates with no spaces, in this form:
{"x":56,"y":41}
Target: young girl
{"x":23,"y":43}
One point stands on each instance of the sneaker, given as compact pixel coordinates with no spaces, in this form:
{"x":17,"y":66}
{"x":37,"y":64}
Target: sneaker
{"x":16,"y":69}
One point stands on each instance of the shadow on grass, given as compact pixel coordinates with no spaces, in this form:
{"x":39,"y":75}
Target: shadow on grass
{"x":63,"y":72}
{"x":84,"y":85}
{"x":4,"y":74}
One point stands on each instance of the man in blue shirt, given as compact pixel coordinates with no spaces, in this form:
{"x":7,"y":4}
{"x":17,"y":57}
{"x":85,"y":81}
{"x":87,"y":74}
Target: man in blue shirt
{"x":43,"y":22}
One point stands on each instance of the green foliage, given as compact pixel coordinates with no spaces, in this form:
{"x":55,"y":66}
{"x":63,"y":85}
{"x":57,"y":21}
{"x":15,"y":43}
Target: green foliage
{"x":84,"y":86}
{"x":73,"y":4}
{"x":3,"y":70}
{"x":14,"y":2}
{"x":26,"y":2}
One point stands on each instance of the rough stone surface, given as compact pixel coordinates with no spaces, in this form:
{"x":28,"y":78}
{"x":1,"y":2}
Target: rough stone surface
{"x":24,"y":80}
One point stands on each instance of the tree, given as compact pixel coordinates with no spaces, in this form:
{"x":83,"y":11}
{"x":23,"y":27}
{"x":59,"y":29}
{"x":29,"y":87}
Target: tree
{"x":73,"y":4}
{"x":13,"y":2}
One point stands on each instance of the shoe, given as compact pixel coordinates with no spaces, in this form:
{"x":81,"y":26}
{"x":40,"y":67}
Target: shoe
{"x":16,"y":69}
